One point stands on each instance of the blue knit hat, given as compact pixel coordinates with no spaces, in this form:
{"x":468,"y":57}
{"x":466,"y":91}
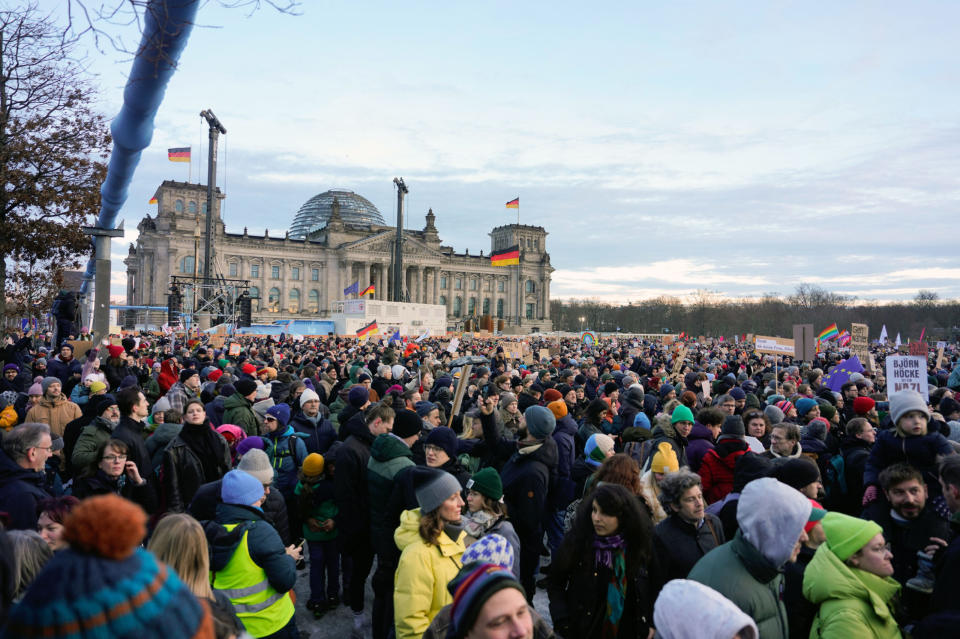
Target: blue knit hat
{"x":540,"y":421}
{"x":424,"y":408}
{"x":105,"y":586}
{"x":281,"y":412}
{"x":489,"y":549}
{"x":805,"y":405}
{"x":240,"y":488}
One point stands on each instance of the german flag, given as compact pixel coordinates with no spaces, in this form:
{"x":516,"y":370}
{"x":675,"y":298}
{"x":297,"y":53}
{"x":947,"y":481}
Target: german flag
{"x":506,"y":257}
{"x":369,"y":329}
{"x":514,"y":203}
{"x":153,"y":200}
{"x":179,"y":154}
{"x":370,"y":289}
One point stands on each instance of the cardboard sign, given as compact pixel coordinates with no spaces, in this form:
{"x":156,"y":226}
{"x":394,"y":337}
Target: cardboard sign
{"x":859,"y":334}
{"x":234,"y":350}
{"x":804,"y":344}
{"x":544,"y":353}
{"x":678,"y":361}
{"x":939,"y":363}
{"x":774,"y":345}
{"x":217,"y":341}
{"x":918,"y":348}
{"x":908,"y":372}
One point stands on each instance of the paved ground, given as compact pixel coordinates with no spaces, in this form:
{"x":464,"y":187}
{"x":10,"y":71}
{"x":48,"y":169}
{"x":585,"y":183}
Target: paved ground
{"x":339,"y":622}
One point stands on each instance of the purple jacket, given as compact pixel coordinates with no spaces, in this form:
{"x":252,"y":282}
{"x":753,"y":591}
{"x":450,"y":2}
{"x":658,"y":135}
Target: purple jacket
{"x":700,"y":443}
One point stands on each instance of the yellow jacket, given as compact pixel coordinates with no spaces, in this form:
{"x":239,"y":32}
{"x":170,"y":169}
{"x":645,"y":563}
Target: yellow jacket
{"x":420,"y":583}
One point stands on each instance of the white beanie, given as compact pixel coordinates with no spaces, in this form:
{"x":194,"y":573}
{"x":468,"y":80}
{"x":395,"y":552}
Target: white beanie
{"x":688,"y":608}
{"x":904,"y":401}
{"x":308,"y":395}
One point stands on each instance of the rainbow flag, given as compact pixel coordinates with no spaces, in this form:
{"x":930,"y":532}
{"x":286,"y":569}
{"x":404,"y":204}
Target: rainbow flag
{"x":179,"y":154}
{"x":370,"y":289}
{"x":506,"y":257}
{"x":153,"y":200}
{"x":514,"y":203}
{"x":844,"y":338}
{"x":828,"y":333}
{"x":369,"y":329}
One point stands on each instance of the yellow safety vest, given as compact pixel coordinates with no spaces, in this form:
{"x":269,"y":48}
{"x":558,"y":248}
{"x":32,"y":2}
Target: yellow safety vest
{"x":261,"y":609}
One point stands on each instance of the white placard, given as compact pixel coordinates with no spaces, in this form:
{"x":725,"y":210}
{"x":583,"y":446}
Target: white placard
{"x":907,"y":372}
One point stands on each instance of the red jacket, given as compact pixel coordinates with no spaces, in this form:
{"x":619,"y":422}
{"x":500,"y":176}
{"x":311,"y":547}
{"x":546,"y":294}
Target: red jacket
{"x":716,"y":470}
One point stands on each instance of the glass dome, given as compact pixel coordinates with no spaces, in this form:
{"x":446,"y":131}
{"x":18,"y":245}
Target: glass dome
{"x":354,"y":209}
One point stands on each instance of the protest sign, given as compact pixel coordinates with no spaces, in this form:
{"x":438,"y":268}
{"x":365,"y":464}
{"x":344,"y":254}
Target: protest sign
{"x":907,"y":372}
{"x":918,"y":348}
{"x":217,"y":341}
{"x":544,"y":353}
{"x":859,"y":334}
{"x":774,"y":345}
{"x":804,"y":343}
{"x":234,"y":350}
{"x":939,"y":363}
{"x":80,"y":348}
{"x":454,"y":343}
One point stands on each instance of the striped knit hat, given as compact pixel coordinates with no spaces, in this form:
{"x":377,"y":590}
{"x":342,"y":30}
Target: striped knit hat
{"x":105,"y":586}
{"x":471,"y":588}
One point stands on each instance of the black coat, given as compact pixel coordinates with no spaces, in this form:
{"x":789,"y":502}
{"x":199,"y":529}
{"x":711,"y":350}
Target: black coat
{"x":526,"y":483}
{"x":855,"y":453}
{"x":101,"y":484}
{"x":205,"y":500}
{"x":947,"y":584}
{"x":906,"y":540}
{"x":350,"y":486}
{"x":319,"y":438}
{"x":21,"y":489}
{"x":183,"y":473}
{"x":680,"y":545}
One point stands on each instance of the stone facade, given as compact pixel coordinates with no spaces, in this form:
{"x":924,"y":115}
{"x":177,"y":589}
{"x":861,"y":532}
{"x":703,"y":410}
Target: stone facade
{"x":302,"y":278}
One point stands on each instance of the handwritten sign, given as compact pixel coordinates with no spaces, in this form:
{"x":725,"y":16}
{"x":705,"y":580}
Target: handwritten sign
{"x":859,"y":334}
{"x":774,"y":345}
{"x":908,"y":372}
{"x":234,"y":350}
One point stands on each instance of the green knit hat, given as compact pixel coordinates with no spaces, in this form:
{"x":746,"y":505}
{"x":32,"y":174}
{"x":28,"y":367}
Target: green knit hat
{"x":222,"y":363}
{"x":846,"y":535}
{"x":487,"y":483}
{"x":681,"y":414}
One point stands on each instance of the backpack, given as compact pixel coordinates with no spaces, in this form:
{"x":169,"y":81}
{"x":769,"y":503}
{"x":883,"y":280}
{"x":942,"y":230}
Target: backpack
{"x":640,"y":451}
{"x":835,"y":480}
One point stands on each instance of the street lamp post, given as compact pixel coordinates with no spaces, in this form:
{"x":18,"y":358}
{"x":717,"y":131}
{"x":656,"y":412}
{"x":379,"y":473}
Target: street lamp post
{"x":581,"y":323}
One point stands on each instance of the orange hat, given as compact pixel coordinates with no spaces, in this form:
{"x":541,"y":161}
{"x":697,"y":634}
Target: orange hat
{"x":558,"y":408}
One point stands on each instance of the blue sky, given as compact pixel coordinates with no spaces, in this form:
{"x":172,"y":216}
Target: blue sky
{"x":666,"y":147}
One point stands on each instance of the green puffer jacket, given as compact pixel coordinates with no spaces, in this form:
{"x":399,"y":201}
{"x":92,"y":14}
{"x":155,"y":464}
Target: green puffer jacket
{"x":854,"y":604}
{"x":388,"y":456}
{"x":238,"y":410}
{"x":740,"y":573}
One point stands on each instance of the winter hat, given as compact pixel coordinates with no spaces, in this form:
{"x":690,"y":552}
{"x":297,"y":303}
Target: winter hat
{"x":863,"y":405}
{"x":665,"y":390}
{"x":97,"y":386}
{"x":281,"y":412}
{"x":245,"y":387}
{"x":712,"y":617}
{"x":805,"y":405}
{"x":737,"y":393}
{"x":681,"y":414}
{"x":552,"y":395}
{"x":128,"y":382}
{"x":424,"y":408}
{"x":902,"y":403}
{"x":597,"y":448}
{"x":186,"y":374}
{"x":8,"y":398}
{"x":358,"y":395}
{"x":308,"y":395}
{"x":540,"y":422}
{"x":232,"y":433}
{"x":771,"y":516}
{"x":433,"y":488}
{"x":104,"y":402}
{"x":313,"y":465}
{"x":816,"y":514}
{"x":11,"y":367}
{"x":506,"y":399}
{"x":785,"y":406}
{"x":774,"y":414}
{"x":846,"y":535}
{"x":254,"y":442}
{"x":486,"y":481}
{"x":406,"y":424}
{"x":240,"y":488}
{"x":115,"y":350}
{"x":797,"y":472}
{"x":471,"y":588}
{"x":162,"y":405}
{"x":489,"y":549}
{"x":444,"y":438}
{"x":227,"y":390}
{"x":263,"y":392}
{"x":947,"y":406}
{"x":828,"y":411}
{"x":558,"y":408}
{"x":609,"y":388}
{"x":733,"y":427}
{"x":125,"y":592}
{"x":215,"y":374}
{"x":35,"y":389}
{"x":536,"y":387}
{"x":816,"y":429}
{"x":47,"y":381}
{"x":665,"y":459}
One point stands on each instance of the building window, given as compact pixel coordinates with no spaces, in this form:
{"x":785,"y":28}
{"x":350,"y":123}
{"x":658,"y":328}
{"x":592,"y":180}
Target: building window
{"x":500,"y":309}
{"x":314,"y":275}
{"x":457,"y":284}
{"x":254,"y":270}
{"x":473,"y":284}
{"x":443,"y":281}
{"x":186,"y":265}
{"x":529,"y":313}
{"x":443,"y":300}
{"x":486,"y":306}
{"x":273,"y":300}
{"x":529,"y":243}
{"x":295,"y":273}
{"x":234,"y":269}
{"x":471,"y":306}
{"x":254,"y":299}
{"x":314,"y":301}
{"x":203,"y":208}
{"x":293,"y":301}
{"x":501,"y":286}
{"x":530,"y":287}
{"x":457,"y":306}
{"x":275,"y":272}
{"x":192,"y":207}
{"x":178,"y":206}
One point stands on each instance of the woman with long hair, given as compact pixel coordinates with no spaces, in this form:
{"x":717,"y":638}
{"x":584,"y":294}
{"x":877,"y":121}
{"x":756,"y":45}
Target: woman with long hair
{"x":487,"y":514}
{"x":605,"y":578}
{"x":196,"y":456}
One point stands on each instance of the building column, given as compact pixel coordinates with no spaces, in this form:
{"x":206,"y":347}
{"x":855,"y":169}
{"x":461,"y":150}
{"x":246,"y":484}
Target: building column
{"x":364,"y":275}
{"x":436,"y":286}
{"x":421,"y":285}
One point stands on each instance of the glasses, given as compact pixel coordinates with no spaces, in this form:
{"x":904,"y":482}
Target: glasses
{"x":430,"y":448}
{"x":50,"y":448}
{"x":114,"y":458}
{"x":270,"y":419}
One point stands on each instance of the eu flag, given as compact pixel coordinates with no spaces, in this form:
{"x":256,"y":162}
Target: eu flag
{"x":353,"y":288}
{"x":840,"y":374}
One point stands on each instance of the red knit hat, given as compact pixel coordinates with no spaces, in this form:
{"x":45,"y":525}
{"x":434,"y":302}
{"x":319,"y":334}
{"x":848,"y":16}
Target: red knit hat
{"x":551,"y":395}
{"x":115,"y":350}
{"x":214,"y":375}
{"x":248,"y":368}
{"x":863,"y":405}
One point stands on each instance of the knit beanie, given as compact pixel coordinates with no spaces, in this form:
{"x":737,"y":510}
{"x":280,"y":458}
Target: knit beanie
{"x":797,"y":473}
{"x":786,"y":406}
{"x":774,"y":414}
{"x":816,"y":514}
{"x":104,"y":402}
{"x":162,"y":405}
{"x":540,"y":422}
{"x":816,"y":429}
{"x":187,"y":373}
{"x":846,"y":535}
{"x":406,"y":424}
{"x":681,"y":414}
{"x":245,"y":386}
{"x":11,"y":367}
{"x":308,"y":395}
{"x":805,"y":405}
{"x":97,"y":386}
{"x":313,"y":465}
{"x":665,"y":390}
{"x":737,"y":393}
{"x":424,"y":408}
{"x":115,"y":350}
{"x":281,"y":412}
{"x":471,"y":588}
{"x":105,"y":586}
{"x":215,"y":374}
{"x":733,"y":427}
{"x":486,"y":481}
{"x":686,"y":608}
{"x":552,"y":395}
{"x":222,"y":363}
{"x":558,"y":408}
{"x":254,"y":442}
{"x":255,"y":461}
{"x":433,"y":488}
{"x":506,"y":399}
{"x":35,"y":389}
{"x":901,"y":403}
{"x":248,"y":368}
{"x":444,"y":438}
{"x":241,"y":488}
{"x":665,"y":459}
{"x":489,"y":549}
{"x":358,"y":395}
{"x":47,"y":381}
{"x":263,"y":392}
{"x":863,"y":405}
{"x":597,"y":448}
{"x":828,"y":411}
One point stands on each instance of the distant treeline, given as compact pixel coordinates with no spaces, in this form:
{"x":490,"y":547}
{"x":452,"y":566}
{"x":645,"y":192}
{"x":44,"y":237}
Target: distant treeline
{"x":706,"y":313}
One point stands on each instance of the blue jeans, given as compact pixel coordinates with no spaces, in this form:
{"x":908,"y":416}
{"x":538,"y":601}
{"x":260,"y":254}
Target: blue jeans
{"x":554,"y":525}
{"x":324,"y":569}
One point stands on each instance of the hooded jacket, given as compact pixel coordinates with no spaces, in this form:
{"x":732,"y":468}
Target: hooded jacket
{"x":631,"y":403}
{"x":317,"y":436}
{"x":716,"y":471}
{"x":388,"y":456}
{"x":666,"y":432}
{"x":350,"y":482}
{"x":527,"y":479}
{"x":92,"y":437}
{"x":266,"y":548}
{"x":853,"y":603}
{"x":238,"y":410}
{"x":286,"y":452}
{"x":420,"y":583}
{"x":21,"y":489}
{"x":565,"y":437}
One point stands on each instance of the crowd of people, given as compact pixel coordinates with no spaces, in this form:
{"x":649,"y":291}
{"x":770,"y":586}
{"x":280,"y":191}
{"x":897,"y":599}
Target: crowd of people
{"x":164,"y":486}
